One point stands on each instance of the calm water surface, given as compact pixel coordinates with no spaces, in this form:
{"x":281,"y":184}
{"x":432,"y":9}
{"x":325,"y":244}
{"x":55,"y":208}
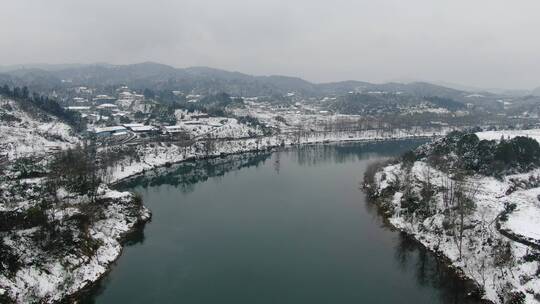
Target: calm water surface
{"x":286,"y":227}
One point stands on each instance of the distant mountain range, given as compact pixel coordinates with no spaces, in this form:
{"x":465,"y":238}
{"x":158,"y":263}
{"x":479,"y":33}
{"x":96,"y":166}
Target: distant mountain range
{"x":203,"y":80}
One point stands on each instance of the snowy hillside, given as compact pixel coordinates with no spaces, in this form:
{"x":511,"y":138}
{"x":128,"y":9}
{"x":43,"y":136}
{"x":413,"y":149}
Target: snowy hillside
{"x":488,"y":227}
{"x":26,"y":131}
{"x":55,"y":242}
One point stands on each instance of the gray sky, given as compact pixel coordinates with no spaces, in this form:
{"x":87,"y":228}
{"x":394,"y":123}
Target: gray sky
{"x":487,"y":43}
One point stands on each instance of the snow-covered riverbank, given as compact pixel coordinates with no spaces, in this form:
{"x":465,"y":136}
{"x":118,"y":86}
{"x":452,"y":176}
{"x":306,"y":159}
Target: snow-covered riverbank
{"x":48,"y":277}
{"x":154,"y":156}
{"x":494,"y":241}
{"x":53,"y":249}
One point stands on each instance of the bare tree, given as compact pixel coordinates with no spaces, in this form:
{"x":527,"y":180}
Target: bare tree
{"x":464,"y":206}
{"x":209,"y":145}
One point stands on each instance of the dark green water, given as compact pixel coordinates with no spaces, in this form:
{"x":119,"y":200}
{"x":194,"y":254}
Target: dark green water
{"x":287,"y":227}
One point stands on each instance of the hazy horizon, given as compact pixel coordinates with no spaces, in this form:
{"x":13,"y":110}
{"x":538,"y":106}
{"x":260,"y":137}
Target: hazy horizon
{"x":484,"y":44}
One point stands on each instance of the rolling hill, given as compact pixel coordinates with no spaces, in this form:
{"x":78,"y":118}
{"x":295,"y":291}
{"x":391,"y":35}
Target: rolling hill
{"x":204,"y":80}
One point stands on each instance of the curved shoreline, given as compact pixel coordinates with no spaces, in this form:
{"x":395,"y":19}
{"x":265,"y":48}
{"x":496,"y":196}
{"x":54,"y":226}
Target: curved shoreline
{"x":472,"y":286}
{"x":81,"y":294}
{"x":271,"y":148}
{"x":96,"y":285}
{"x":474,"y":289}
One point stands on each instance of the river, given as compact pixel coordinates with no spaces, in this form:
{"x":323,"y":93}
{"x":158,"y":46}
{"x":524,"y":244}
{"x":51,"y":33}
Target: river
{"x":284,"y":227}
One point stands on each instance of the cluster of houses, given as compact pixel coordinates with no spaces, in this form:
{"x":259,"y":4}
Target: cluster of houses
{"x":142,"y":130}
{"x":106,"y":109}
{"x":100,"y":113}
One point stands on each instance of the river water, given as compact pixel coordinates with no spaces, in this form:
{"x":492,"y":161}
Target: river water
{"x":284,"y":227}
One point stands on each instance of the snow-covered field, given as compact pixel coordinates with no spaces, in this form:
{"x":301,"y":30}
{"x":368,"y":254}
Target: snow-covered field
{"x":525,"y":221}
{"x":508,"y":134}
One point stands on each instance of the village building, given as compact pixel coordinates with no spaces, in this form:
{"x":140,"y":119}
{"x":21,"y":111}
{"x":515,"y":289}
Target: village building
{"x":177,"y":132}
{"x":108,"y":131}
{"x":103,"y":99}
{"x":107,"y":106}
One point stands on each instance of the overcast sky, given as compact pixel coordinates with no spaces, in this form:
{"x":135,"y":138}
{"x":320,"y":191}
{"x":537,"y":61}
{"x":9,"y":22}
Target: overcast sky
{"x":486,"y":43}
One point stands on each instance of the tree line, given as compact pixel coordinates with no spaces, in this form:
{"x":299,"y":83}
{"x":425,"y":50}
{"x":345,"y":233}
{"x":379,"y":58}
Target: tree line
{"x":465,"y":152}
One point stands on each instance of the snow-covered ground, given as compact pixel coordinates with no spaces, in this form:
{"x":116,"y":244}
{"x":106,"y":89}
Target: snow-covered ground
{"x":50,"y":268}
{"x":420,"y":110}
{"x":508,"y":134}
{"x":525,"y":221}
{"x":49,"y":277}
{"x":50,"y":252}
{"x":154,"y":156}
{"x":485,"y":227}
{"x":23,"y":134}
{"x":295,"y":117}
{"x":219,"y":127}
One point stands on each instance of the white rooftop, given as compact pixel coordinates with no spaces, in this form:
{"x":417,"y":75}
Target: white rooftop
{"x":173,"y":127}
{"x":131,"y":125}
{"x":80,"y":108}
{"x":109,"y":129}
{"x":107,"y":105}
{"x":142,"y":128}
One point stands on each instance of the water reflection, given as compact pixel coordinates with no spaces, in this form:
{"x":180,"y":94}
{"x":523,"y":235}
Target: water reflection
{"x":430,"y":271}
{"x":256,"y":200}
{"x":349,"y":152}
{"x":186,"y":175}
{"x":89,"y":295}
{"x":136,"y":237}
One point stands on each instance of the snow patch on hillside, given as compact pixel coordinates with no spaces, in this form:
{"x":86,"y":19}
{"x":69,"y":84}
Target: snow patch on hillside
{"x":481,"y":234}
{"x":48,"y":278}
{"x":24,"y":134}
